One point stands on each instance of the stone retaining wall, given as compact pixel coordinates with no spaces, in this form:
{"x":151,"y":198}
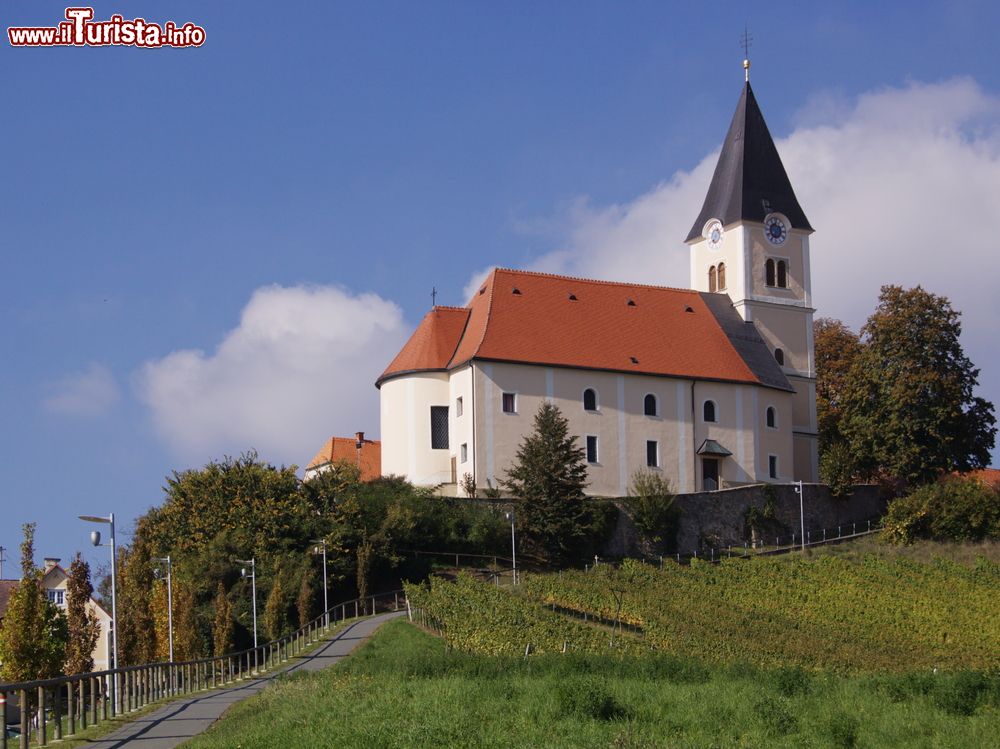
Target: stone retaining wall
{"x":716,"y":519}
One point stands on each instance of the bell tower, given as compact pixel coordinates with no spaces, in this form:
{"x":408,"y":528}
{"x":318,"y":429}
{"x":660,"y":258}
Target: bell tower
{"x":751,"y":242}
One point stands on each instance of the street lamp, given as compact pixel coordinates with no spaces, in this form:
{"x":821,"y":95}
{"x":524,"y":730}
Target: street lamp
{"x":253,"y":587}
{"x":513,"y":547}
{"x":95,"y":539}
{"x":326,"y":605}
{"x":802,"y":513}
{"x":170,"y":600}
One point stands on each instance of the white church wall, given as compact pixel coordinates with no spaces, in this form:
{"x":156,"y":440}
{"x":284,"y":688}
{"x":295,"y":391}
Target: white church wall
{"x":461,"y":425}
{"x":623,"y":432}
{"x":406,"y":427}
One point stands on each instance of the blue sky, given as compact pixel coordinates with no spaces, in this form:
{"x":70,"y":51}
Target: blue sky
{"x":207,"y":250}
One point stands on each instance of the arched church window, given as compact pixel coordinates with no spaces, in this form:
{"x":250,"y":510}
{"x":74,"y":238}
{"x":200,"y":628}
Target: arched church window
{"x":711,"y":279}
{"x":722,"y":276}
{"x":771,"y":417}
{"x":769,"y":272}
{"x":782,"y":274}
{"x":779,"y":356}
{"x":649,"y":405}
{"x":590,"y":399}
{"x":708,"y":411}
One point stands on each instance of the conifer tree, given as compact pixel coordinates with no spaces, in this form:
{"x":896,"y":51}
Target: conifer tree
{"x":223,"y":625}
{"x":83,"y":627}
{"x":547,"y":480}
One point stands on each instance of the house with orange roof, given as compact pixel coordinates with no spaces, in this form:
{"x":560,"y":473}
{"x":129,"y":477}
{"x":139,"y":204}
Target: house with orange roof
{"x":711,"y":386}
{"x":366,"y":454}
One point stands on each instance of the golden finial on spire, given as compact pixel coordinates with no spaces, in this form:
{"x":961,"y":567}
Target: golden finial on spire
{"x":745,"y":41}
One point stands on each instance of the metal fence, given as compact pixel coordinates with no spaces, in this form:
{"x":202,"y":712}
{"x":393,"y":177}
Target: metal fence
{"x":57,"y":708}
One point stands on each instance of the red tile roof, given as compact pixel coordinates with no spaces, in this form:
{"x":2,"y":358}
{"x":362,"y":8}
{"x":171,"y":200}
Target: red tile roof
{"x":368,"y":458}
{"x":538,"y":318}
{"x":433,"y":343}
{"x":990,"y":476}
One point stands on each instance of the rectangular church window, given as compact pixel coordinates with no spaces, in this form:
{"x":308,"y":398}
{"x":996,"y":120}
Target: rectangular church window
{"x":439,"y":427}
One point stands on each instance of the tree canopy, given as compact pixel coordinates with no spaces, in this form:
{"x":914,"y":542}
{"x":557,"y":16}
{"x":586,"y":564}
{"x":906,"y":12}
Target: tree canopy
{"x":898,"y":404}
{"x":239,"y":508}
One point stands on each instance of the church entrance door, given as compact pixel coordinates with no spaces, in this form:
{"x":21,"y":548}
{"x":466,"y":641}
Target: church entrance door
{"x":709,"y":474}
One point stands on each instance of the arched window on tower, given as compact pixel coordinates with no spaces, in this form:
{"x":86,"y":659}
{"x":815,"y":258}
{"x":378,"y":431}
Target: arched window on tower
{"x":771,"y":417}
{"x":722,"y":276}
{"x":769,"y":272}
{"x":779,"y":356}
{"x":711,"y":279}
{"x":649,"y":405}
{"x":590,"y":399}
{"x":782,"y":275}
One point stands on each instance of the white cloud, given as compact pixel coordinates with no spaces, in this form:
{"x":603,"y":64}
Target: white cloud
{"x":299,"y":367}
{"x":88,"y":393}
{"x":902,"y":186}
{"x":475,"y":282}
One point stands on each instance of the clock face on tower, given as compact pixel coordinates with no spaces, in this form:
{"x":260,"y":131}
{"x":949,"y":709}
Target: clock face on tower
{"x":714,"y":235}
{"x":775,"y":230}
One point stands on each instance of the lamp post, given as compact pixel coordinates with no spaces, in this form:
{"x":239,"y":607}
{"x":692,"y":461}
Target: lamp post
{"x":170,"y":602}
{"x":802,"y":513}
{"x":326,"y":605}
{"x":253,"y":587}
{"x":513,"y":547}
{"x":95,"y":539}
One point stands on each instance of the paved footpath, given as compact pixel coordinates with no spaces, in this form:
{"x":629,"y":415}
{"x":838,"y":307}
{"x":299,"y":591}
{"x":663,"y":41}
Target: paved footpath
{"x":184,"y":718}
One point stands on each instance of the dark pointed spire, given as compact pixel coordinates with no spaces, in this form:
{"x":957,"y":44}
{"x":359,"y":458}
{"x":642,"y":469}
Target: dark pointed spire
{"x":750,"y":180}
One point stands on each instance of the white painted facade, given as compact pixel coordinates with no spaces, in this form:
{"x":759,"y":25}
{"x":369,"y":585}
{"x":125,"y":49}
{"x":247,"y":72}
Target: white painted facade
{"x":782,"y":315}
{"x":491,"y":436}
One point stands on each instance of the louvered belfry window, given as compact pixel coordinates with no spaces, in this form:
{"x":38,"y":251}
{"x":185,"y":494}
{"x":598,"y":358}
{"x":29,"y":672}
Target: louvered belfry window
{"x":439,"y":427}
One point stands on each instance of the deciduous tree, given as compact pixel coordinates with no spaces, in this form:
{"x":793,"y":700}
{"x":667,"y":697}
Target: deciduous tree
{"x":909,"y":408}
{"x":276,"y":621}
{"x":82,"y":624}
{"x":136,"y":625}
{"x":223,"y":626}
{"x":33,"y":638}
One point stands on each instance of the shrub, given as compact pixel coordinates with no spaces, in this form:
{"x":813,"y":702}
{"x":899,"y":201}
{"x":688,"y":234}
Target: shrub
{"x":951,"y":510}
{"x":843,"y":731}
{"x":792,"y":680}
{"x":588,"y":697}
{"x":961,"y":693}
{"x":775,"y":716}
{"x":651,"y":501}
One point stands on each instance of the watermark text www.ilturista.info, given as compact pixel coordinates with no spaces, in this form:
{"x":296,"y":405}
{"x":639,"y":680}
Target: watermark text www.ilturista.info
{"x":81,"y":30}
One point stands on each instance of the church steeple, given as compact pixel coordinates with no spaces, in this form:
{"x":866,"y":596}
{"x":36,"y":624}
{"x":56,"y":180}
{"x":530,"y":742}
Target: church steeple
{"x":749,"y":180}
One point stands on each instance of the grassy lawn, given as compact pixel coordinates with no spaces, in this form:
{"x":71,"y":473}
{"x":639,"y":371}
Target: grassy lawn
{"x":405,"y":689}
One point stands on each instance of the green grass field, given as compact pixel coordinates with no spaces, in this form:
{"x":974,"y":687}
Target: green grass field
{"x":405,"y":688}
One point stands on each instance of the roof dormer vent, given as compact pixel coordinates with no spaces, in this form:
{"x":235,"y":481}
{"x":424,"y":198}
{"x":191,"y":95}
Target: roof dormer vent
{"x":688,"y":309}
{"x":572,"y":297}
{"x":482,"y":291}
{"x":633,"y":360}
{"x":516,"y":292}
{"x":631,"y":302}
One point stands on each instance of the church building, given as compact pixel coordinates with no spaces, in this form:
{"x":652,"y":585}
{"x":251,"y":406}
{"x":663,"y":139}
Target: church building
{"x":713,"y":386}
